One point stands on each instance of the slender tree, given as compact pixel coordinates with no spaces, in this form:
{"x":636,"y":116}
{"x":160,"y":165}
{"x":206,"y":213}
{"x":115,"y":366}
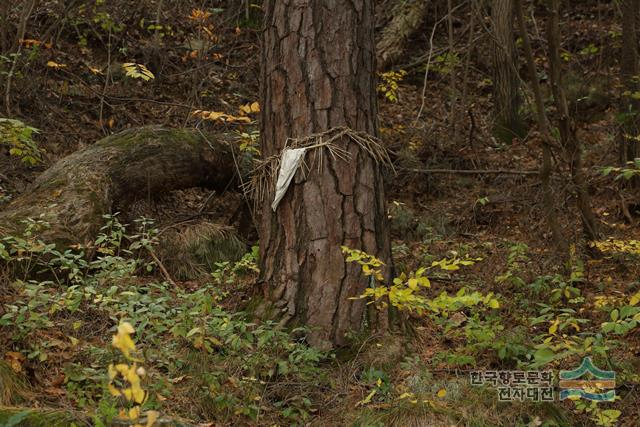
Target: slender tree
{"x":506,"y":97}
{"x":571,"y":145}
{"x":547,"y":139}
{"x":318,"y":64}
{"x":630,"y":73}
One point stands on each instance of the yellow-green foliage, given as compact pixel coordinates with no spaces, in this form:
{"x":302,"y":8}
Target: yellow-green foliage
{"x":125,"y":379}
{"x":18,"y":138}
{"x":389,"y":85}
{"x":617,"y":246}
{"x":404,"y":292}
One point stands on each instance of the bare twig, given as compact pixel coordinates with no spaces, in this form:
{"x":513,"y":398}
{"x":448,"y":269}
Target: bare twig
{"x":21,"y":32}
{"x":106,"y":83}
{"x":471,"y":171}
{"x":162,"y":268}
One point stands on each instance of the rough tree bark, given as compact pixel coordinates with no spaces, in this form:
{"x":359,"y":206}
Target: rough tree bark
{"x":629,"y":70}
{"x":318,"y":69}
{"x":568,"y":138}
{"x":506,"y":97}
{"x":74,"y":193}
{"x":407,"y":19}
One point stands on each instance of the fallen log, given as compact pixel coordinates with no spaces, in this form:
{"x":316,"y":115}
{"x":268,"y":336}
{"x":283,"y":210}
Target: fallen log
{"x":74,"y":193}
{"x":407,"y":19}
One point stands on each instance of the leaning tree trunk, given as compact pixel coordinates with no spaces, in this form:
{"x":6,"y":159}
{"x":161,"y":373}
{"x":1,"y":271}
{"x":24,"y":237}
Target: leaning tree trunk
{"x":407,"y":19}
{"x":506,"y":97}
{"x":318,"y":74}
{"x":629,"y":70}
{"x":76,"y":191}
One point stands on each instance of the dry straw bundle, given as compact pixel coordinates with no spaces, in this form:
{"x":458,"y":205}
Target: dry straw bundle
{"x":331,"y":142}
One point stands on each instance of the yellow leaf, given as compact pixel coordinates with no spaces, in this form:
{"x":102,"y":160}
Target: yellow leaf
{"x":245,"y":109}
{"x":494,"y":303}
{"x":554,"y":327}
{"x":442,"y":393}
{"x":137,"y":71}
{"x":238,"y":119}
{"x":134,"y":413}
{"x":215,"y":115}
{"x":125,"y":328}
{"x":255,"y":107}
{"x":95,"y":70}
{"x":139,"y":395}
{"x":112,"y":371}
{"x":368,"y":398}
{"x":152,"y":417}
{"x":113,"y":391}
{"x":55,"y":65}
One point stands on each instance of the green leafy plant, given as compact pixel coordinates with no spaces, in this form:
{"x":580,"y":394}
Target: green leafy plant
{"x":404,"y":292}
{"x":137,"y":71}
{"x":390,"y":84}
{"x":601,"y":417}
{"x":18,"y":138}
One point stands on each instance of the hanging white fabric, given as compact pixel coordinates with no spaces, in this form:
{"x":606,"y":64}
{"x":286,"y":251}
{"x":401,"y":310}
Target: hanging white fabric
{"x":290,"y":161}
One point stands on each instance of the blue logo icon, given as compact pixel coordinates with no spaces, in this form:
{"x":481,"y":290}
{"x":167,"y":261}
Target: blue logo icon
{"x":592,"y":388}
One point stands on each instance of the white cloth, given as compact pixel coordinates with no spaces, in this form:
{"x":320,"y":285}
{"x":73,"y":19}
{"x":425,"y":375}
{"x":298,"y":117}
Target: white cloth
{"x":289,"y":163}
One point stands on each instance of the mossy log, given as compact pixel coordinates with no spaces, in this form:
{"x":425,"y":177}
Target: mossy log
{"x":407,"y":19}
{"x":74,"y":193}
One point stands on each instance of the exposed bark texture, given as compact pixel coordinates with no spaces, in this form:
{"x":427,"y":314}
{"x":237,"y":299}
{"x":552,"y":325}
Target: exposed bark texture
{"x":629,"y":70}
{"x":568,"y":138}
{"x":505,"y":80}
{"x":317,"y":74}
{"x":74,"y":193}
{"x":407,"y":19}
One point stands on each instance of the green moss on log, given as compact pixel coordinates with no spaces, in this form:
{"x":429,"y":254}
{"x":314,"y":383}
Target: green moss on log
{"x":74,"y":193}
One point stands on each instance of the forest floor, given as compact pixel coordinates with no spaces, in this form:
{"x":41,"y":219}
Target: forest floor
{"x":209,"y":363}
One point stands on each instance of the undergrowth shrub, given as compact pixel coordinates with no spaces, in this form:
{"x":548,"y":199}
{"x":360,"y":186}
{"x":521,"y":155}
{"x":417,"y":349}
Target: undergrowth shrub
{"x":60,"y":306}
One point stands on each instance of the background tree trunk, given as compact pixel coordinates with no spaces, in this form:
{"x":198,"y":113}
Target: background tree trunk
{"x":75,"y":192}
{"x":568,"y":138}
{"x":629,"y":70}
{"x":506,"y":95}
{"x":318,"y":73}
{"x":549,"y":205}
{"x":5,"y":25}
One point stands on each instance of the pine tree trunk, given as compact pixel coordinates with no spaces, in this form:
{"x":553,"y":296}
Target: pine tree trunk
{"x":317,"y":74}
{"x":505,"y":81}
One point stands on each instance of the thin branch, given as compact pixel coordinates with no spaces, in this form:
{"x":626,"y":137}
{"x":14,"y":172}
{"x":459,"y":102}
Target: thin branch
{"x":471,"y":171}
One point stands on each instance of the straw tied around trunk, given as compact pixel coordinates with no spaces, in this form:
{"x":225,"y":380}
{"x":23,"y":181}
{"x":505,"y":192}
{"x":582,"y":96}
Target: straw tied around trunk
{"x":284,"y":166}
